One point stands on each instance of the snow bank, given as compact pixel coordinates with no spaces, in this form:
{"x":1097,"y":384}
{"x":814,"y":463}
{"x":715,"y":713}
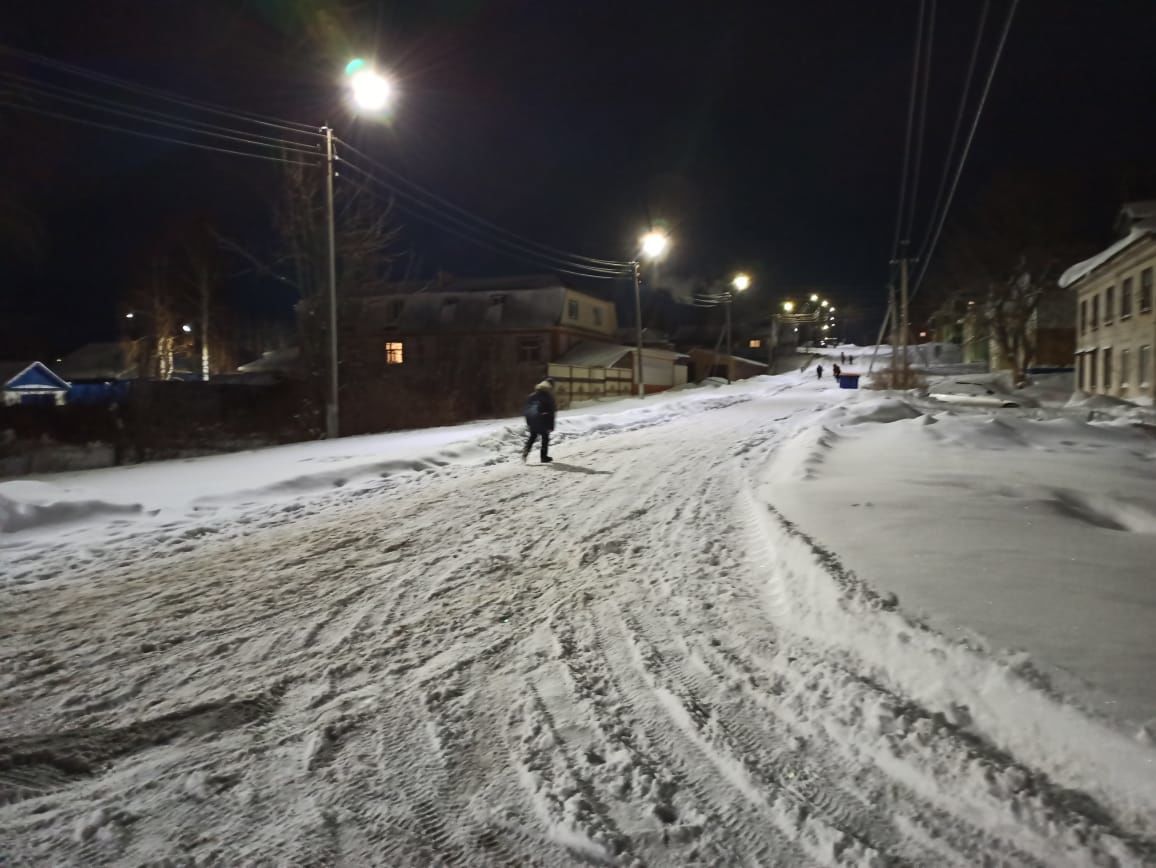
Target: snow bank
{"x":172,"y":490}
{"x":26,"y":505}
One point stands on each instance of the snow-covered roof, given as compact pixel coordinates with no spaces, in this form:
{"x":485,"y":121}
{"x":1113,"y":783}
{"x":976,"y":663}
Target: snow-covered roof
{"x":1140,"y":229}
{"x":593,"y":354}
{"x":273,"y":361}
{"x":104,"y":360}
{"x":29,"y":376}
{"x":475,"y":310}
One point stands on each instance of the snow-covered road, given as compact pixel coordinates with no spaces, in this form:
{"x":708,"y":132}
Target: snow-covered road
{"x":627,"y":657}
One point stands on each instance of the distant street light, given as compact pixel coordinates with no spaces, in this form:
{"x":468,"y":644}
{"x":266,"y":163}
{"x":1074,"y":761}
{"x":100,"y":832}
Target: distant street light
{"x":823,"y":303}
{"x":814,"y":297}
{"x":129,"y":315}
{"x":187,"y":329}
{"x":789,"y":307}
{"x":741,"y":282}
{"x":652,"y":245}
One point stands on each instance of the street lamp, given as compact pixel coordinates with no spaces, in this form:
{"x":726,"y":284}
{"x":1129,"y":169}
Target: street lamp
{"x":814,"y":297}
{"x":652,"y":245}
{"x":740,"y":282}
{"x":371,"y":92}
{"x":789,"y":307}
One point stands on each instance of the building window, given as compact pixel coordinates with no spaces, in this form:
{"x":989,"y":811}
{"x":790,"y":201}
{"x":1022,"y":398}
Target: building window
{"x":394,"y":352}
{"x":597,"y":316}
{"x":1084,"y":317}
{"x":754,"y":343}
{"x":1146,"y":290}
{"x":1092,"y":371}
{"x":529,"y":349}
{"x":1144,"y":362}
{"x":1126,"y":298}
{"x":1081,"y":368}
{"x":572,"y":310}
{"x":1107,"y":369}
{"x":1125,"y":357}
{"x":1109,"y":303}
{"x":1095,"y":312}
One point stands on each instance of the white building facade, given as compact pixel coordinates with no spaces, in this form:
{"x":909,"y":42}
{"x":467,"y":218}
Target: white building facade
{"x":1115,"y":322}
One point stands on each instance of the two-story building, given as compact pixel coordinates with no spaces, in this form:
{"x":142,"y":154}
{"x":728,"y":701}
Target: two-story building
{"x":455,"y":350}
{"x":1115,"y":323}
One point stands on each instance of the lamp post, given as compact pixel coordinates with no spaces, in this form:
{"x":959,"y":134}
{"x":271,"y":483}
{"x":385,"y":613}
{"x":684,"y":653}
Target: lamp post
{"x":652,"y":245}
{"x":370,"y":92}
{"x":740,"y":282}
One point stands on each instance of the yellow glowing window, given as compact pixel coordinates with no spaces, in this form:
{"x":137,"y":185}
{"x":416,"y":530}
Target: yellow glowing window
{"x":755,"y":343}
{"x":394,"y":352}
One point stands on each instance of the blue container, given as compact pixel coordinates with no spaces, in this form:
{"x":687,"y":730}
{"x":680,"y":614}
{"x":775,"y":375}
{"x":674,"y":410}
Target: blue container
{"x":848,"y":381}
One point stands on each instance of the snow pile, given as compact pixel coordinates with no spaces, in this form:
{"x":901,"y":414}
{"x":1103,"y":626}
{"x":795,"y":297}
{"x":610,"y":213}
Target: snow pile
{"x":1035,"y":533}
{"x":25,"y":505}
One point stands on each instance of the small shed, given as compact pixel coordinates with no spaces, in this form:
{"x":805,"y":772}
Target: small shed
{"x":23,"y":383}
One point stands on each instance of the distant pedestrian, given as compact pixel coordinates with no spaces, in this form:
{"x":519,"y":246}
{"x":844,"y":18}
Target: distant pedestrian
{"x":850,"y":360}
{"x":819,"y":371}
{"x":540,"y":410}
{"x":842,"y":359}
{"x":836,"y":371}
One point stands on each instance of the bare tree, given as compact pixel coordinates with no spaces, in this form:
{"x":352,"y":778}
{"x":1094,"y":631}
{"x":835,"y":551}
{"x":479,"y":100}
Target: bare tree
{"x":1007,"y":256}
{"x":366,"y":236}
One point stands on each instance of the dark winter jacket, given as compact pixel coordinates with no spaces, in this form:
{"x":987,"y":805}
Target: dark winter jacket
{"x":540,"y":408}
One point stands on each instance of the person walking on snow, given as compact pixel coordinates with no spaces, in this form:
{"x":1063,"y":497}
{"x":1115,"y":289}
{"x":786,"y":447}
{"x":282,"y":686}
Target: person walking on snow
{"x":819,"y":371}
{"x":540,"y":409}
{"x":836,"y":371}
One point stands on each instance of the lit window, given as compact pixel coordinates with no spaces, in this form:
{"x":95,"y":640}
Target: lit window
{"x":394,"y":352}
{"x":754,"y":343}
{"x":572,"y":310}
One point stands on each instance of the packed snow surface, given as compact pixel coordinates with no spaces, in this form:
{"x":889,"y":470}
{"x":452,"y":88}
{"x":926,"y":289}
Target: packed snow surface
{"x":774,"y":623}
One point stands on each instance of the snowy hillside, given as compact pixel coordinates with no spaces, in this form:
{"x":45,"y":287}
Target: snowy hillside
{"x":773,"y":623}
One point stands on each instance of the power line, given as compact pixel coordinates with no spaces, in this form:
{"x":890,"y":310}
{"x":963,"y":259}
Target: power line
{"x":151,"y":115}
{"x":465,"y":234}
{"x":967,"y":145}
{"x":445,"y":220}
{"x":616,"y":264}
{"x":113,"y":81}
{"x":276,"y":144}
{"x":958,"y":125}
{"x":144,"y":135}
{"x":911,"y":100}
{"x":921,"y":125}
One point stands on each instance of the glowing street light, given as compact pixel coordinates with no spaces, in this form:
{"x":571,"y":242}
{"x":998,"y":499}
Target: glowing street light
{"x":741,"y":282}
{"x":371,"y":91}
{"x":129,"y":315}
{"x":187,"y":329}
{"x":652,"y":246}
{"x":814,"y":297}
{"x":788,"y":306}
{"x":824,"y":303}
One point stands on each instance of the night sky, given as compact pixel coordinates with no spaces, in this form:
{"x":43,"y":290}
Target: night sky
{"x":767,"y":135}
